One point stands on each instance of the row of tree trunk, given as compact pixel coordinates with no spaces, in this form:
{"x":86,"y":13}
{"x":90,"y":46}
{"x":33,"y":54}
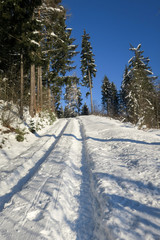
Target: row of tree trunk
{"x":36,"y":88}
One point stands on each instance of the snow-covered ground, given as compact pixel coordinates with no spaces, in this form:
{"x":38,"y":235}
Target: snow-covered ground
{"x":82,"y":179}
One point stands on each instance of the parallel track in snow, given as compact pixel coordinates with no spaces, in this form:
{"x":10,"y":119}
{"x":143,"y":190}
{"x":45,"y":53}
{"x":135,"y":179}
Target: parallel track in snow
{"x":20,"y":182}
{"x":55,"y":200}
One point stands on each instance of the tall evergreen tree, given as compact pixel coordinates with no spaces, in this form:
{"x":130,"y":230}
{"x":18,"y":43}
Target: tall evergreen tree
{"x":88,"y":67}
{"x":125,"y":88}
{"x":106,"y":95}
{"x":16,"y":25}
{"x":109,"y":97}
{"x":49,"y":13}
{"x":71,"y":98}
{"x":114,"y":101}
{"x":16,"y":45}
{"x":157,"y":104}
{"x":141,"y":89}
{"x":79,"y":100}
{"x":85,"y":110}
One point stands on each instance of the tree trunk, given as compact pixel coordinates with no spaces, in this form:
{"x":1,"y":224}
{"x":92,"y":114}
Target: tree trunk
{"x":32,"y":92}
{"x":39,"y":90}
{"x":49,"y":96}
{"x":90,"y":85}
{"x":22,"y":89}
{"x":49,"y":92}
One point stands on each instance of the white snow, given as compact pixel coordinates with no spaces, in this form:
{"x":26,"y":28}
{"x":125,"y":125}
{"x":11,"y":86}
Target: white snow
{"x":53,"y":34}
{"x":36,"y":43}
{"x":83,"y":178}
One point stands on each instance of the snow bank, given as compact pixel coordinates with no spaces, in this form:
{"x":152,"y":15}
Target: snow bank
{"x":19,"y":158}
{"x":125,"y":173}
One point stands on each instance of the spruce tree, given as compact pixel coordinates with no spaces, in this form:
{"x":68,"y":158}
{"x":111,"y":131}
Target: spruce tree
{"x":88,"y":67}
{"x":49,"y":13}
{"x":17,"y":25}
{"x":79,"y":100}
{"x":125,"y":88}
{"x":71,"y":98}
{"x":85,"y":110}
{"x":106,"y":95}
{"x":157,"y":104}
{"x":141,"y":89}
{"x":114,"y":101}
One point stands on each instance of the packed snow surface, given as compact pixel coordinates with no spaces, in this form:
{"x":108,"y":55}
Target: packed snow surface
{"x":84,"y":178}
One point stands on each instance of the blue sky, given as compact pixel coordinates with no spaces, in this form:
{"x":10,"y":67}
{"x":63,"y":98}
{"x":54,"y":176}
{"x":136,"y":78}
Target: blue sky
{"x":112,"y":26}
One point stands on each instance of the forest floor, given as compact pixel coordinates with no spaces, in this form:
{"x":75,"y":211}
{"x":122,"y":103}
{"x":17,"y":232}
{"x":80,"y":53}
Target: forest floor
{"x":84,"y":178}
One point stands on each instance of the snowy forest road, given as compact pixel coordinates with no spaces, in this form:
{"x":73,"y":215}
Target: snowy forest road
{"x":93,"y":178}
{"x":56,"y":203}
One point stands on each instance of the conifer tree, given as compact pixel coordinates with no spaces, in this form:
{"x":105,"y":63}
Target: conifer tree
{"x":87,"y":65}
{"x":49,"y":13}
{"x":71,"y":98}
{"x":114,"y":101}
{"x":34,"y":35}
{"x":141,"y":89}
{"x":16,"y":28}
{"x":85,"y":110}
{"x":125,"y":88}
{"x":106,"y":95}
{"x":62,"y":53}
{"x":16,"y":24}
{"x":60,"y":112}
{"x":157,"y":104}
{"x":79,"y":100}
{"x":109,"y":97}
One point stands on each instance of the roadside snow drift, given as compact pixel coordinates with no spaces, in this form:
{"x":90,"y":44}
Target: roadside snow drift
{"x":125,"y":166}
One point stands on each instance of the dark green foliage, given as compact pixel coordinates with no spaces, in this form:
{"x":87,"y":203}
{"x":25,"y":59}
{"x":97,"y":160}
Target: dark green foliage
{"x":32,"y":127}
{"x":16,"y":25}
{"x":110,"y":101}
{"x":157,"y":104}
{"x":60,"y":112}
{"x":106,"y":94}
{"x":125,"y":88}
{"x":20,"y":138}
{"x":87,"y":61}
{"x":37,"y":30}
{"x":20,"y":135}
{"x":85,"y":110}
{"x":114,"y":100}
{"x":63,"y":50}
{"x":79,"y":100}
{"x":52,"y":117}
{"x":88,"y":67}
{"x":67,"y":112}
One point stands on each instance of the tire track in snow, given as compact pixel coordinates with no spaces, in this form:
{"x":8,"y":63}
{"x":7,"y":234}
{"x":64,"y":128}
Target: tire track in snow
{"x":18,"y":181}
{"x":30,"y":218}
{"x":62,"y":212}
{"x":85,"y":222}
{"x":58,"y":202}
{"x":94,"y":200}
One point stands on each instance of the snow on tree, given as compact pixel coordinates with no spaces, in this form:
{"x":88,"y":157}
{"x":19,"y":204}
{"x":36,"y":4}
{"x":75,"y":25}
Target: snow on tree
{"x":79,"y":100}
{"x":125,"y":88}
{"x":71,"y":99}
{"x":140,"y":89}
